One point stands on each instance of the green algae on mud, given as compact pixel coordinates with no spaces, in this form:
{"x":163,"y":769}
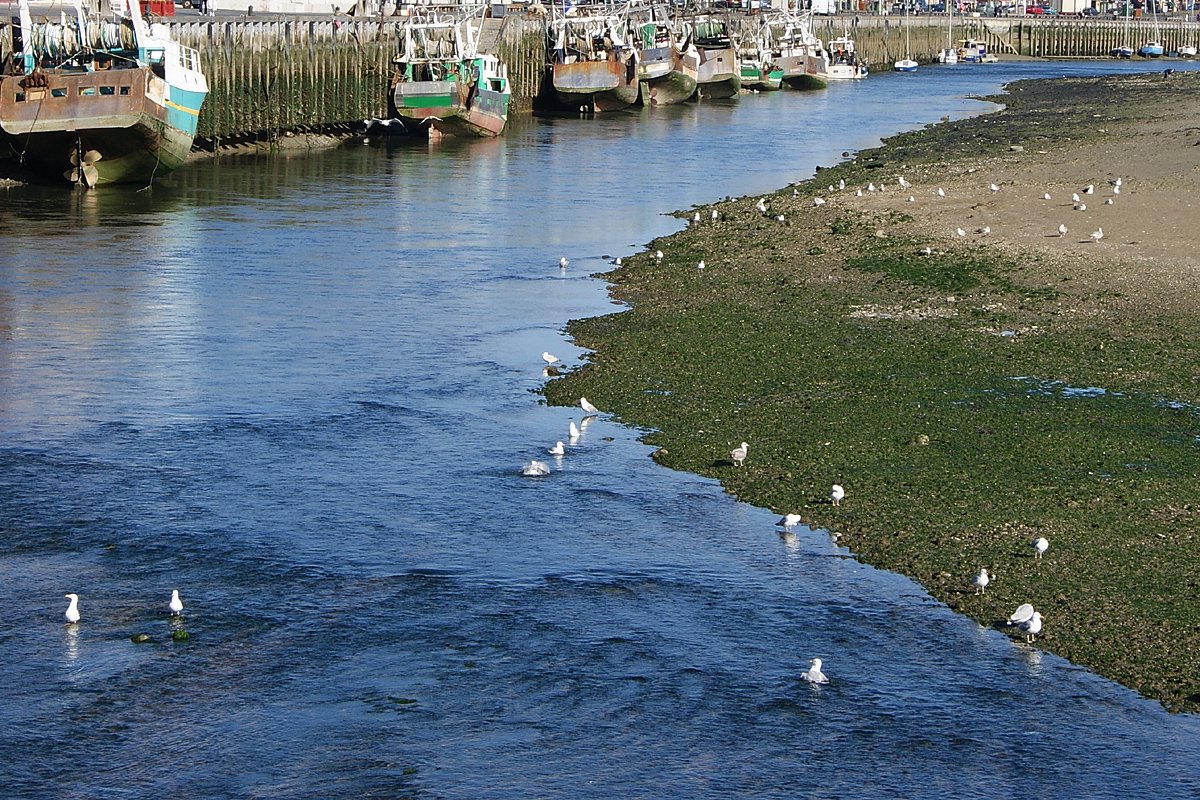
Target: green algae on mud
{"x":969,"y":400}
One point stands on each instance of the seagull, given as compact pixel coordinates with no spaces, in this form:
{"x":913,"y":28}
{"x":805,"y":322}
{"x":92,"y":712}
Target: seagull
{"x":788,"y":521}
{"x":72,"y":612}
{"x":981,"y":581}
{"x":1062,"y":230}
{"x":1117,"y":183}
{"x":1039,"y":545}
{"x":842,"y":184}
{"x":1024,"y":613}
{"x":1117,"y":189}
{"x":995,"y":188}
{"x":1046,"y":196}
{"x":564,"y":262}
{"x":985,"y":230}
{"x":548,"y":358}
{"x":587,"y":407}
{"x":836,"y":493}
{"x":700,"y":265}
{"x":761,"y":205}
{"x":696,"y":218}
{"x":1108,"y":201}
{"x":779,"y":218}
{"x":870,"y":187}
{"x":1089,"y":188}
{"x":904,"y":184}
{"x":960,"y":231}
{"x":858,"y":193}
{"x":557,"y":450}
{"x":912,"y":199}
{"x":1097,"y":234}
{"x":1074,"y":197}
{"x":535,"y":469}
{"x":572,"y":430}
{"x":738,"y":454}
{"x":658,"y":255}
{"x":818,"y":201}
{"x":714,"y":215}
{"x":176,"y":605}
{"x":941,"y":192}
{"x":814,"y":674}
{"x":926,"y":251}
{"x":1032,"y":626}
{"x":1081,"y":207}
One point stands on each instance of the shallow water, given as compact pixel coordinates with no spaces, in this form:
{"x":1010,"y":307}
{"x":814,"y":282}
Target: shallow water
{"x":300,"y":391}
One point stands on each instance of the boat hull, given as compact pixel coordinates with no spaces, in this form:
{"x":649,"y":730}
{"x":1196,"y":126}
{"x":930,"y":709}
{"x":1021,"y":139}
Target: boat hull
{"x":141,"y":126}
{"x":594,"y":85}
{"x":905,"y":65}
{"x":719,"y":75}
{"x":667,"y":77}
{"x":450,"y":107}
{"x":768,"y":79}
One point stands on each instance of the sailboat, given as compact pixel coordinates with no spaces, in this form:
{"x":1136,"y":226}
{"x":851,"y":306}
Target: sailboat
{"x":1124,"y":51}
{"x":906,"y":64}
{"x":949,"y":54}
{"x":1153,"y":48}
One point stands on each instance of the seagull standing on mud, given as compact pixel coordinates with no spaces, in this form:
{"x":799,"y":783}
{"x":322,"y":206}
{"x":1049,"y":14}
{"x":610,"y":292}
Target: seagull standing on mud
{"x":658,"y":255}
{"x":587,"y":407}
{"x":836,"y":494}
{"x":1032,"y":626}
{"x":1024,"y":613}
{"x":738,"y":454}
{"x":1062,"y":230}
{"x":1040,"y":546}
{"x":981,"y":581}
{"x":814,"y":674}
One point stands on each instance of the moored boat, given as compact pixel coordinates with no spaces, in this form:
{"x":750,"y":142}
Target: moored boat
{"x":905,"y":65}
{"x":668,"y":65}
{"x":1151,"y":50}
{"x":844,"y":63}
{"x":442,"y":83}
{"x":1187,"y":51}
{"x":122,"y":109}
{"x":720,"y":72}
{"x":594,"y":68}
{"x":797,"y":52}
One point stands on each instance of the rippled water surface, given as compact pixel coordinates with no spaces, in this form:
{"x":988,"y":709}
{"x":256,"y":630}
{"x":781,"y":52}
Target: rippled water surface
{"x":300,"y":390}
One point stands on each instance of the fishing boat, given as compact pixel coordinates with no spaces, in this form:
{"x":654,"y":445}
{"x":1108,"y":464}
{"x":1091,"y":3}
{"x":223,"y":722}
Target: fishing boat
{"x":759,"y":72}
{"x":720,"y":72}
{"x":906,"y":64}
{"x":972,"y":51}
{"x":844,"y":63}
{"x":594,"y":68}
{"x":796,"y":51}
{"x":443,"y":83}
{"x":668,"y":64}
{"x":100,"y":100}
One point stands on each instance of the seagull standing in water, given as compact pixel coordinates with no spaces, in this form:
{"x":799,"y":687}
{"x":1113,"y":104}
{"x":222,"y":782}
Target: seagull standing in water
{"x":72,"y":612}
{"x":1040,"y":546}
{"x":1032,"y":626}
{"x":548,"y":358}
{"x":564,"y":262}
{"x":176,"y":605}
{"x":587,"y":407}
{"x":836,"y":494}
{"x":572,"y":431}
{"x":981,"y":581}
{"x":738,"y":454}
{"x":788,"y":521}
{"x":814,"y":674}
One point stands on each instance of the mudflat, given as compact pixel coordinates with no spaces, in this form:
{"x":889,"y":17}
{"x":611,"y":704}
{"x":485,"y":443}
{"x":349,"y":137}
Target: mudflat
{"x":975,"y":378}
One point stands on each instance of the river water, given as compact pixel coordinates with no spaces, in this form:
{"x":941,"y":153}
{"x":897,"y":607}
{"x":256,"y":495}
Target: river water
{"x":300,"y":390}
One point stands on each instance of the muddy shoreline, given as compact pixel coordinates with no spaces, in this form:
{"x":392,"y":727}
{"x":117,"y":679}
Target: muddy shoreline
{"x":972,"y":377}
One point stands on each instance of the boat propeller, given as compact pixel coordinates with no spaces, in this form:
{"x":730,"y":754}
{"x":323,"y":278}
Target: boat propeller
{"x":83,"y":170}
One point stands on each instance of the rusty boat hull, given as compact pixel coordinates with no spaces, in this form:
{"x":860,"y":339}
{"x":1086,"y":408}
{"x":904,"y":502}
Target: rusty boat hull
{"x":594,"y":85}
